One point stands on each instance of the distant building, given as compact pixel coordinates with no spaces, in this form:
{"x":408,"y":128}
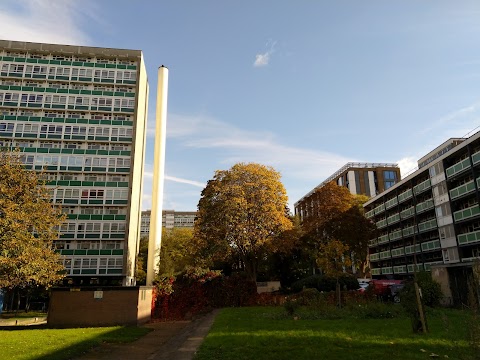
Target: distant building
{"x":360,"y":178}
{"x":431,"y":218}
{"x":170,"y":219}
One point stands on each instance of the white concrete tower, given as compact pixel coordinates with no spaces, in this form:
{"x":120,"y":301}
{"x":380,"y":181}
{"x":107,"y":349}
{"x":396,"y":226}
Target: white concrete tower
{"x":155,"y":238}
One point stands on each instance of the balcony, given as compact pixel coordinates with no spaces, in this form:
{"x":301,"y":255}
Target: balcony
{"x":411,"y":266}
{"x":374,"y":257}
{"x":428,"y":266}
{"x":372,"y":243}
{"x":405,"y":195}
{"x":395,"y":235}
{"x":427,"y":225}
{"x":431,"y":245}
{"x":469,"y":238}
{"x":379,"y":209}
{"x":383,"y":239}
{"x":409,"y":231}
{"x":476,"y":158}
{"x":466,"y":213}
{"x":391,"y":203}
{"x":405,"y":214}
{"x":461,"y":190}
{"x":409,"y":249}
{"x":377,"y":271}
{"x":398,"y":252}
{"x":458,"y":167}
{"x":385,"y":255}
{"x":393,"y":219}
{"x":422,"y":187}
{"x":402,"y":269}
{"x":424,"y":206}
{"x":370,"y":214}
{"x":387,"y":270}
{"x":381,"y":224}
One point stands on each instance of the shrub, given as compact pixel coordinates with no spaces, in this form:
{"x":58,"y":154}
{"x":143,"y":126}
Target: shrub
{"x":324,"y":283}
{"x":291,"y":305}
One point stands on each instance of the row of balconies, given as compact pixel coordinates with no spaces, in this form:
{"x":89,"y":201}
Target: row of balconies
{"x":400,"y":269}
{"x":405,"y":232}
{"x":407,"y":250}
{"x":463,"y":165}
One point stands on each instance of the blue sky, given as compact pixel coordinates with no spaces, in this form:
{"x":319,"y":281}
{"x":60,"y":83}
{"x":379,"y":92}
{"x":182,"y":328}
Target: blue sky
{"x":303,"y":86}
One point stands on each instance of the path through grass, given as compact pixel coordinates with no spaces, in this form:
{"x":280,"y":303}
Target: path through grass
{"x":267,"y":333}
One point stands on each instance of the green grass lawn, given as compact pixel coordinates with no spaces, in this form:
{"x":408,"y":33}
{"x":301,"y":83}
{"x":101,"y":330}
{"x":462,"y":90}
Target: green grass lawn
{"x":57,"y":344}
{"x":267,"y":333}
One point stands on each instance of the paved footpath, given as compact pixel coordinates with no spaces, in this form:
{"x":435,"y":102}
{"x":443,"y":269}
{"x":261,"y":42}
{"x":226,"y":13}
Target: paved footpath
{"x":177,"y":340}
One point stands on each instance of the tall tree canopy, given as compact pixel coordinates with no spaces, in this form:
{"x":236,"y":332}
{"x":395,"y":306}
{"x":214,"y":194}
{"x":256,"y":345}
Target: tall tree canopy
{"x":28,"y":226}
{"x":175,"y":254}
{"x":242,"y":212}
{"x":338,"y":215}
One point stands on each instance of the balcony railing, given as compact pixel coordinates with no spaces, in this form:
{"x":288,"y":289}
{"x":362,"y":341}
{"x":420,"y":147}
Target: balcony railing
{"x":377,"y":271}
{"x":462,"y":190}
{"x":409,"y":249}
{"x":398,"y":252}
{"x":422,"y":187}
{"x":411,"y":267}
{"x":385,"y":254}
{"x":374,"y":257}
{"x":370,"y":214}
{"x":382,"y":223}
{"x":395,"y":235}
{"x":466,"y":213}
{"x":379,"y":209}
{"x":409,"y":231}
{"x":424,"y":206}
{"x":387,"y":270}
{"x":405,"y":195}
{"x":393,"y":219}
{"x":469,"y":238}
{"x":401,"y":269}
{"x":405,"y":214}
{"x":431,"y":245}
{"x":476,"y":158}
{"x":391,"y":203}
{"x":427,"y":225}
{"x":383,"y":239}
{"x":372,"y":243}
{"x":458,"y":167}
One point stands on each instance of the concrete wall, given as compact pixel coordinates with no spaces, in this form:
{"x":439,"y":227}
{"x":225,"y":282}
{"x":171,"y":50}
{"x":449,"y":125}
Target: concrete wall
{"x":440,"y":275}
{"x":107,"y":306}
{"x":267,"y":286}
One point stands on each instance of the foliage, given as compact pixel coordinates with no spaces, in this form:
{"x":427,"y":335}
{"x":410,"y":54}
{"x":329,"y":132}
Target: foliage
{"x":28,"y":227}
{"x":62,"y":344}
{"x":197,"y":290}
{"x":430,"y":289}
{"x":242,"y":214}
{"x":325,"y":283}
{"x":269,"y":333}
{"x":333,"y":258}
{"x":142,"y":258}
{"x":175,"y":253}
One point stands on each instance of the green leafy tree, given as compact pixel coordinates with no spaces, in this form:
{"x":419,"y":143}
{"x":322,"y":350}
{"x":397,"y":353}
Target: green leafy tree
{"x":141,"y":275}
{"x":241,"y":214}
{"x":28,"y":227}
{"x":175,"y":253}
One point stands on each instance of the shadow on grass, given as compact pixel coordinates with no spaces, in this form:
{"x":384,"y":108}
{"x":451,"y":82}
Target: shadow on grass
{"x":46,"y":343}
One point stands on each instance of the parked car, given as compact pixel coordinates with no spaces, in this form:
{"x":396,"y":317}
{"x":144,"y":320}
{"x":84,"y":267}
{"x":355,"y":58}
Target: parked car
{"x":387,"y":290}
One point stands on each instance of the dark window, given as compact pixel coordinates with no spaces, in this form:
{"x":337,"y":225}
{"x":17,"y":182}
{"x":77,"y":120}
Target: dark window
{"x":389,"y":178}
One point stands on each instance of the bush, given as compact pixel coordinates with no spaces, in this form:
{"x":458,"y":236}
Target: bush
{"x":324,"y":283}
{"x":291,"y":305}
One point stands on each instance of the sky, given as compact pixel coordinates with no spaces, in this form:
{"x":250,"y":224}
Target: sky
{"x":302,"y":86}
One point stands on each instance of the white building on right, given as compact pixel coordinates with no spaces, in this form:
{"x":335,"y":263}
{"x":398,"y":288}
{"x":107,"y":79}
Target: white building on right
{"x":431,"y":218}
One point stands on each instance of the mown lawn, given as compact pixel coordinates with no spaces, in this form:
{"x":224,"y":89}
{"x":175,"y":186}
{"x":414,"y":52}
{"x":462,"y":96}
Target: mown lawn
{"x":267,"y":333}
{"x":58,"y":344}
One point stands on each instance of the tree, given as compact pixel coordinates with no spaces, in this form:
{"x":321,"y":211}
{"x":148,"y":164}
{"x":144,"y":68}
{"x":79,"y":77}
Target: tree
{"x":141,"y":275}
{"x":28,"y":227}
{"x":333,"y":259}
{"x":241,"y":213}
{"x":175,"y":253}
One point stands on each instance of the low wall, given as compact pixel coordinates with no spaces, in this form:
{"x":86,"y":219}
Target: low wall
{"x":102,"y":306}
{"x":267,"y":286}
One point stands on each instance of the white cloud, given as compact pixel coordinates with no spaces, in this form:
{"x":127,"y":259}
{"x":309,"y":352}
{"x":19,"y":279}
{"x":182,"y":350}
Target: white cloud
{"x":185,"y":181}
{"x":240,"y":145}
{"x":407,"y":165}
{"x":45,"y":21}
{"x":264,"y":59}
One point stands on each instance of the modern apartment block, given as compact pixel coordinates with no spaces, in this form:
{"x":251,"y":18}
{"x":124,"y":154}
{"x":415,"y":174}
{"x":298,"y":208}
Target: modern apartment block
{"x":79,"y":113}
{"x":360,"y":178}
{"x":431,"y":219}
{"x":170,"y":219}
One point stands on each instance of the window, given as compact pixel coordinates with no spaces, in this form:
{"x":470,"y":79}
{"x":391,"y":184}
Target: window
{"x":389,"y":178}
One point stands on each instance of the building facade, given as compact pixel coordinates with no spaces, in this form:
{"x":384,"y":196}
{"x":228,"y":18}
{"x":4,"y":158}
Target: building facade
{"x":431,"y":219}
{"x":79,"y":113}
{"x":170,"y":219}
{"x":360,"y":178}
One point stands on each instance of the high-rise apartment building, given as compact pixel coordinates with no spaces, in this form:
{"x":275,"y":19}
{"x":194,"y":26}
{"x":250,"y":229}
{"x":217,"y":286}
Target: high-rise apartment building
{"x":170,"y":219}
{"x":432,"y":219}
{"x":79,"y":113}
{"x":360,"y":178}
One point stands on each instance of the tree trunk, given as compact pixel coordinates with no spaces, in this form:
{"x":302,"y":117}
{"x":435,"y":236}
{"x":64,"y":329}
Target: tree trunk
{"x":339,"y":294}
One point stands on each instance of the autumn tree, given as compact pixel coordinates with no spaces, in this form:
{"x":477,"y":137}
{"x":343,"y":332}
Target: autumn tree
{"x":241,"y":213}
{"x":141,"y":273}
{"x":28,"y":227}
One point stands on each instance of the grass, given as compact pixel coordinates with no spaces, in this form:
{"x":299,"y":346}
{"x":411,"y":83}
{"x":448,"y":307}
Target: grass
{"x":268,"y":333}
{"x":59,"y":344}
